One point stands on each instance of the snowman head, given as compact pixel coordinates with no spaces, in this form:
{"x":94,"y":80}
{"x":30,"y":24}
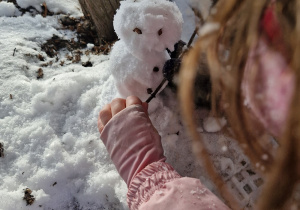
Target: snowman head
{"x":148,"y":25}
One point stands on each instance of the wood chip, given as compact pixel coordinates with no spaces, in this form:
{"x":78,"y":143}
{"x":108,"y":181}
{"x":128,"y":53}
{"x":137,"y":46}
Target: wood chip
{"x":40,"y":73}
{"x":45,"y":9}
{"x":137,"y":30}
{"x":1,"y":150}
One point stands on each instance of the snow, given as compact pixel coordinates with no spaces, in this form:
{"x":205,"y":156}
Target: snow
{"x":212,"y":124}
{"x":227,"y":166}
{"x":48,"y":127}
{"x":265,"y":157}
{"x":189,"y":24}
{"x":203,"y":6}
{"x":7,"y":9}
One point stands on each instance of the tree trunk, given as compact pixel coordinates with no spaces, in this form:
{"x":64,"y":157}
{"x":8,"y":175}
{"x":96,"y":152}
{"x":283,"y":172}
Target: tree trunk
{"x":101,"y":13}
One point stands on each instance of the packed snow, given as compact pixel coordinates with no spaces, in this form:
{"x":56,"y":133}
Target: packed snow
{"x":212,"y":124}
{"x":7,"y":9}
{"x":48,"y":126}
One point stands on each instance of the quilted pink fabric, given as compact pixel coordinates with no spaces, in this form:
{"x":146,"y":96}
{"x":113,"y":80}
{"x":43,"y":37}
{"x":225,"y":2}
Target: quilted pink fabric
{"x":135,"y":148}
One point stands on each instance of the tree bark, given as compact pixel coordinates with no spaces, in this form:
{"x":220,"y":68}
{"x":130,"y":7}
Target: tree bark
{"x":101,"y":13}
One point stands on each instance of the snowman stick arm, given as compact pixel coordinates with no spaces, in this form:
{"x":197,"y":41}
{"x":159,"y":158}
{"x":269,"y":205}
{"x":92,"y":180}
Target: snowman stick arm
{"x":192,"y":37}
{"x":153,"y":95}
{"x":183,"y":52}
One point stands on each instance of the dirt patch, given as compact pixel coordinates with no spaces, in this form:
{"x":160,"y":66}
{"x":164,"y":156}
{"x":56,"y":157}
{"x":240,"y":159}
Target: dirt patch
{"x":85,"y":34}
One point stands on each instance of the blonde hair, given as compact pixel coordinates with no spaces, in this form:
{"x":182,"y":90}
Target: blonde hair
{"x":234,"y":28}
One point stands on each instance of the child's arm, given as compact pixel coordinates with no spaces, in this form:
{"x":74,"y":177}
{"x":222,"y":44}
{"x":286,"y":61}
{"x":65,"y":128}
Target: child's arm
{"x":135,"y":148}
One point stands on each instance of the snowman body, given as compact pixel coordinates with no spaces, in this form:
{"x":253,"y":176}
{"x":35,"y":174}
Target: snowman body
{"x":146,"y":28}
{"x":134,"y":76}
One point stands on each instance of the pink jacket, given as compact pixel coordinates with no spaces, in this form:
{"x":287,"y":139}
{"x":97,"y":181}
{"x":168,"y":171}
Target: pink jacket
{"x":269,"y":82}
{"x":135,"y":148}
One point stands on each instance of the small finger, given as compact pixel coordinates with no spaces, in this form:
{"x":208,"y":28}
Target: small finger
{"x":100,"y":125}
{"x":117,"y":105}
{"x":131,"y":100}
{"x":105,"y":114}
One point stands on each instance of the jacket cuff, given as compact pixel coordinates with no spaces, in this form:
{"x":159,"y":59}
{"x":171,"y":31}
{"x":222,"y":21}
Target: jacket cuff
{"x":147,"y":181}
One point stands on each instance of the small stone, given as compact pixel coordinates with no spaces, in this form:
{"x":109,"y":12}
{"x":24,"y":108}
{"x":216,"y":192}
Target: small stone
{"x":149,"y":90}
{"x":87,"y":64}
{"x":155,"y":69}
{"x":40,"y":73}
{"x":159,"y":32}
{"x":40,"y":57}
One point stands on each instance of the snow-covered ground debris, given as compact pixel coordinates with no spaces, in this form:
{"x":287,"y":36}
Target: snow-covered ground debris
{"x":57,"y":6}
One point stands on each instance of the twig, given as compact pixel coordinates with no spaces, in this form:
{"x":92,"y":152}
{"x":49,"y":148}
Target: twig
{"x":199,"y":15}
{"x":153,"y":95}
{"x":46,"y":10}
{"x":192,"y":37}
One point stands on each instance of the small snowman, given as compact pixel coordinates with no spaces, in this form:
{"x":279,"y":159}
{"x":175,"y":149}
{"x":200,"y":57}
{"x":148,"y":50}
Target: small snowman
{"x":146,"y":29}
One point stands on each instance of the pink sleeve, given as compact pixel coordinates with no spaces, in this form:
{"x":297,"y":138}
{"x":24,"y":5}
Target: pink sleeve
{"x":132,"y":142}
{"x":269,"y":82}
{"x":159,"y":186}
{"x":135,"y":148}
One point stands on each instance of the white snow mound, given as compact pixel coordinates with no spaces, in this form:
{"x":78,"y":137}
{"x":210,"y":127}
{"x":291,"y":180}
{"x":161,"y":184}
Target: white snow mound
{"x":212,"y":124}
{"x":7,"y":9}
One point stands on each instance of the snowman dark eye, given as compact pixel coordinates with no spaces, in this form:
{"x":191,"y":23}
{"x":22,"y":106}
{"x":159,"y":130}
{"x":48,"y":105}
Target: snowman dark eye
{"x":137,"y":30}
{"x":155,"y":69}
{"x":159,"y":32}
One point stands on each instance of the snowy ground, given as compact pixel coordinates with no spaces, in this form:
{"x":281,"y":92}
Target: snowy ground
{"x":48,"y":126}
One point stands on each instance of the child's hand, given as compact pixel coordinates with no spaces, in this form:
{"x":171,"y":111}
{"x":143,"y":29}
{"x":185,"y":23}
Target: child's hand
{"x":117,"y":105}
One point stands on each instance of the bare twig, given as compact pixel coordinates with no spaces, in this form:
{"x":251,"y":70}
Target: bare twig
{"x":153,"y":95}
{"x":45,"y":10}
{"x":192,"y":37}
